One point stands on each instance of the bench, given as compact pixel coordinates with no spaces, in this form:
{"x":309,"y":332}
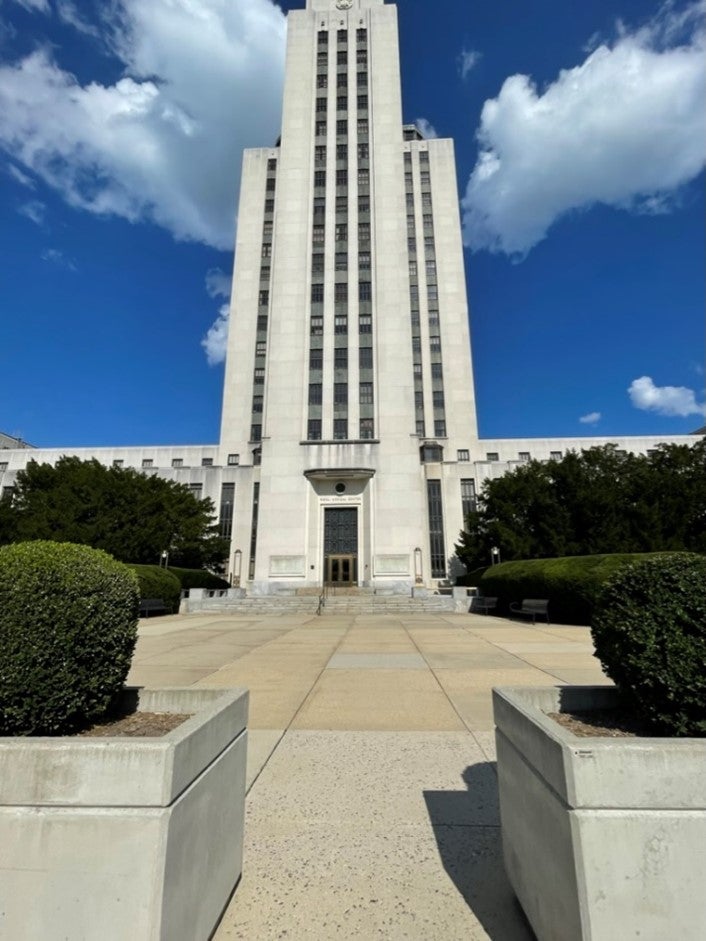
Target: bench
{"x":152,"y":606}
{"x":531,"y":608}
{"x":480,"y":605}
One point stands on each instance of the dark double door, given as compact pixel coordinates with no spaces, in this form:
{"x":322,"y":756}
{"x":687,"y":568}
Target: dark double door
{"x":340,"y":546}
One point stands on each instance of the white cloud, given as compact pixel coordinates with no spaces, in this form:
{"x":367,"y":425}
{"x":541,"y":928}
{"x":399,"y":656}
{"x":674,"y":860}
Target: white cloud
{"x":426,"y":129}
{"x":467,"y":61}
{"x":34,"y":210}
{"x":216,"y":340}
{"x":626,"y":128}
{"x":68,"y":14}
{"x":202,"y":81}
{"x":674,"y":401}
{"x":218,"y":283}
{"x":20,"y":177}
{"x":591,"y":419}
{"x":58,"y":258}
{"x":41,"y":6}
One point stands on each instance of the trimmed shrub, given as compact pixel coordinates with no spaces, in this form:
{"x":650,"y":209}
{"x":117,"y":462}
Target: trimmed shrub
{"x":158,"y":582}
{"x":471,"y":579}
{"x":68,"y":625}
{"x":649,"y":628}
{"x":571,"y":583}
{"x":199,"y":578}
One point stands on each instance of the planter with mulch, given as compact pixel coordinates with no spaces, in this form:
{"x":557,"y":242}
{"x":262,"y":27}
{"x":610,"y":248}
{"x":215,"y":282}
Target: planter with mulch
{"x":603,"y":837}
{"x":126,"y":837}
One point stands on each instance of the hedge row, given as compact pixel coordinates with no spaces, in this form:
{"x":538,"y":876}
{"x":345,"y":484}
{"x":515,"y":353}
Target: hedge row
{"x":571,"y":583}
{"x":158,"y":582}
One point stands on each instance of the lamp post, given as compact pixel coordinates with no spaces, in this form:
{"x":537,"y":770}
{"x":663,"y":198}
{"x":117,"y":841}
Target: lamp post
{"x":494,"y":555}
{"x":164,"y":558}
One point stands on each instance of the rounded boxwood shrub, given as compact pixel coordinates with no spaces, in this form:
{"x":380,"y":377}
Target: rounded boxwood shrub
{"x":68,"y":626}
{"x":158,"y":582}
{"x":649,"y":629}
{"x":198,"y":578}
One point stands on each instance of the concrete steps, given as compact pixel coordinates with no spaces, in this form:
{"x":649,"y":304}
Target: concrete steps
{"x":363,"y":603}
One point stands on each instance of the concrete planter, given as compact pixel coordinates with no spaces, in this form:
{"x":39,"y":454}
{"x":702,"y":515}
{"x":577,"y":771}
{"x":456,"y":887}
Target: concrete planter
{"x":603,"y":838}
{"x":121,"y":838}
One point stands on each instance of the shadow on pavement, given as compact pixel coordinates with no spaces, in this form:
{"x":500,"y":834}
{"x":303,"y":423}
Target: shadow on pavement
{"x":466,"y":826}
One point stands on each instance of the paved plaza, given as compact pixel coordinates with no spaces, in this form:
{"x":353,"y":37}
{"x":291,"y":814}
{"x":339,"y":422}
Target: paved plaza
{"x":372,"y":803}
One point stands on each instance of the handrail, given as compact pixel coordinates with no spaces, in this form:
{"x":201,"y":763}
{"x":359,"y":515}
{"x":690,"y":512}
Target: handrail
{"x":322,"y":601}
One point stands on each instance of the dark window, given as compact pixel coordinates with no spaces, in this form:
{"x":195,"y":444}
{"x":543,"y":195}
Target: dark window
{"x":362,"y":102}
{"x":438,"y":399}
{"x":257,"y":404}
{"x":341,"y":57}
{"x":265,"y":273}
{"x":424,"y":177}
{"x":492,"y":456}
{"x":317,"y":326}
{"x":524,"y":456}
{"x":420,"y":427}
{"x":361,"y":57}
{"x":262,"y":323}
{"x":341,"y":127}
{"x":259,"y":376}
{"x":342,"y":37}
{"x":365,"y":323}
{"x":340,"y":324}
{"x":367,"y":428}
{"x":439,"y":429}
{"x":260,"y":347}
{"x":362,"y":127}
{"x":366,"y":393}
{"x":463,"y":455}
{"x":271,"y":164}
{"x":270,"y":185}
{"x":436,"y":371}
{"x":419,"y":400}
{"x":256,"y":432}
{"x":321,"y":104}
{"x":269,"y":205}
{"x":364,"y":231}
{"x":314,"y":393}
{"x":321,"y":129}
{"x":341,"y":204}
{"x":363,"y":204}
{"x":267,"y":229}
{"x":341,"y":80}
{"x":341,"y":232}
{"x":417,"y":344}
{"x":363,"y":176}
{"x":432,"y":454}
{"x":253,"y":527}
{"x":206,"y":462}
{"x":341,"y":291}
{"x":341,"y":261}
{"x":233,"y":459}
{"x":316,"y":359}
{"x":319,"y":208}
{"x":264,"y":298}
{"x":362,"y":79}
{"x":177,"y":462}
{"x":267,"y":250}
{"x":257,"y":459}
{"x":361,"y":35}
{"x":341,"y":151}
{"x":318,"y":234}
{"x":340,"y":357}
{"x":365,"y":357}
{"x":468,"y":498}
{"x":313,"y":432}
{"x":225,"y":516}
{"x":412,"y":244}
{"x":317,"y":293}
{"x":424,"y":157}
{"x":341,"y":177}
{"x":364,"y":261}
{"x":436,"y":529}
{"x":342,"y":103}
{"x":340,"y":429}
{"x":417,"y":369}
{"x":365,"y":291}
{"x":363,"y":152}
{"x":317,"y":264}
{"x":320,"y":153}
{"x":322,"y":37}
{"x":322,"y":81}
{"x":435,"y":344}
{"x":340,"y":393}
{"x":319,"y":178}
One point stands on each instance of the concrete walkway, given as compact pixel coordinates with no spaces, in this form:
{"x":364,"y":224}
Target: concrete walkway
{"x":372,"y":805}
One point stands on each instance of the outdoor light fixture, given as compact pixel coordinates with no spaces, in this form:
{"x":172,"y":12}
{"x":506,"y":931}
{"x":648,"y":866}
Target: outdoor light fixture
{"x":237,"y":563}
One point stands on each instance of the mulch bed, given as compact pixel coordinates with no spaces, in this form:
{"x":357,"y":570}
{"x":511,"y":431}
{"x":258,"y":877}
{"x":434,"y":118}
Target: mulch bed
{"x":604,"y":723}
{"x":143,"y":724}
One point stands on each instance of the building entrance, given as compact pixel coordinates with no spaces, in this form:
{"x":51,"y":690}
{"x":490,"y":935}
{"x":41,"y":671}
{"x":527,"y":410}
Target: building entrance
{"x":341,"y":546}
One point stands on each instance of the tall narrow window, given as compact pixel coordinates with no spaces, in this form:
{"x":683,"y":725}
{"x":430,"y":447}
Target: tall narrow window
{"x":340,"y":429}
{"x":468,"y":498}
{"x":314,"y":429}
{"x":340,"y":393}
{"x":225,"y":515}
{"x":253,"y":528}
{"x":436,"y":529}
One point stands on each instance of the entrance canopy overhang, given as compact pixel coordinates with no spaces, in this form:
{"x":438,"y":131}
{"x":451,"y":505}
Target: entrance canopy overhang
{"x":339,"y":473}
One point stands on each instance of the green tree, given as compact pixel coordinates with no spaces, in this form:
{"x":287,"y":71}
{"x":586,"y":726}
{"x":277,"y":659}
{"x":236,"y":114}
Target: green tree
{"x":132,"y":516}
{"x":600,"y":500}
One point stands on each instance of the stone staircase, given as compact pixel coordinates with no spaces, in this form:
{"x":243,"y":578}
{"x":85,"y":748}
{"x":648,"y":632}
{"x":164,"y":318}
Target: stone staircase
{"x":343,"y":601}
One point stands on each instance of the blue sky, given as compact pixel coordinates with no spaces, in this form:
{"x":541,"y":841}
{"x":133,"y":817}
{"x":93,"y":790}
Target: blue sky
{"x":580,"y":141}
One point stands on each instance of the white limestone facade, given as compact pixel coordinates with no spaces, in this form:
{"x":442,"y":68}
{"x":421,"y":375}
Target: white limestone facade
{"x":349,"y":447}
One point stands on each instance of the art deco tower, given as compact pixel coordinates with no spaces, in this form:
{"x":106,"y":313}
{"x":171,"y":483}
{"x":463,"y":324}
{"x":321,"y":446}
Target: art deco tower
{"x":348,"y":402}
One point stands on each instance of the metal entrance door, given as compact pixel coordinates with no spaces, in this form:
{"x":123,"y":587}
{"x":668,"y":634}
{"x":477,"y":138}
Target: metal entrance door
{"x":341,"y":546}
